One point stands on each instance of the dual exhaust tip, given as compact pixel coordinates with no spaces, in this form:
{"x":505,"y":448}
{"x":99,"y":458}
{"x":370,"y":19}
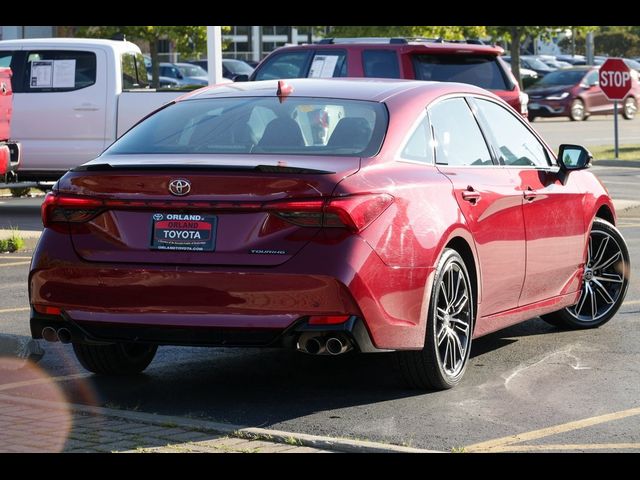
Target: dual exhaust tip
{"x":324,"y":345}
{"x":62,"y":335}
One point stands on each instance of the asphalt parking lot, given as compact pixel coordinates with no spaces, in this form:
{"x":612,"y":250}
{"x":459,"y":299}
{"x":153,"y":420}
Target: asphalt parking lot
{"x":528,"y":388}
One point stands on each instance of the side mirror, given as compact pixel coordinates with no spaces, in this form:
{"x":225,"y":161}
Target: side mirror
{"x":574,"y":157}
{"x":240,"y":78}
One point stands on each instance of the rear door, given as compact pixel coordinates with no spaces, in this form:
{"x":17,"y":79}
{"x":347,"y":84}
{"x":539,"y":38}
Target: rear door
{"x":552,"y":206}
{"x":60,"y":107}
{"x":488,"y":198}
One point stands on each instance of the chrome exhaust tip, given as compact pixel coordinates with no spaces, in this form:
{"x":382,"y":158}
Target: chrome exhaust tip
{"x":336,"y":346}
{"x":49,"y":334}
{"x":64,"y":335}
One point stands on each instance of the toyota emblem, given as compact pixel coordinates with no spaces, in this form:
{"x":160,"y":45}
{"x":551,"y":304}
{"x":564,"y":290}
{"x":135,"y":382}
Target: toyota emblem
{"x":180,"y":187}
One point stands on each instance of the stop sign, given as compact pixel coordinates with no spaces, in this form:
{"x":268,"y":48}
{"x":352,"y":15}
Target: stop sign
{"x":615,"y":79}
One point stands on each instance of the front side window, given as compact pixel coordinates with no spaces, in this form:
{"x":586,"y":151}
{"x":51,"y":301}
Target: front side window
{"x":59,"y":71}
{"x":260,"y":125}
{"x":380,"y":64}
{"x":458,"y":137}
{"x":516,"y":145}
{"x":284,"y":65}
{"x":480,"y":70}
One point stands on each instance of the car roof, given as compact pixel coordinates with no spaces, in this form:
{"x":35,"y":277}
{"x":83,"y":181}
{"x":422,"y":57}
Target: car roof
{"x":371,"y":89}
{"x":410,"y":46}
{"x":118,"y":45}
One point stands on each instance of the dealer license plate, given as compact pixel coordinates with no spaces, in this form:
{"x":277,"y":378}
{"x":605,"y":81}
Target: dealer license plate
{"x":186,"y":232}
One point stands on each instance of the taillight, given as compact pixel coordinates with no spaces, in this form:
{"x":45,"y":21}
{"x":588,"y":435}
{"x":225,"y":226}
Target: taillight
{"x":355,"y":212}
{"x":58,"y":209}
{"x":305,"y":213}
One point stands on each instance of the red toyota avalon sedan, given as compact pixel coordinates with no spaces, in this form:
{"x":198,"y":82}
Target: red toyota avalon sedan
{"x":429,"y":214}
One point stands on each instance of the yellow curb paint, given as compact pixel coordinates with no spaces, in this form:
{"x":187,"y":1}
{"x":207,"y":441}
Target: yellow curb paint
{"x":12,"y":310}
{"x":14,"y":264}
{"x":493,"y":445}
{"x":631,"y":302}
{"x":38,"y":381}
{"x":567,"y":447}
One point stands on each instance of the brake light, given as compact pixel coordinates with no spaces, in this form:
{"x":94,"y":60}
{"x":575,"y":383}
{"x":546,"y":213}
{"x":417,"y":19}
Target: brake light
{"x":47,"y":310}
{"x":355,"y":212}
{"x":57,"y":209}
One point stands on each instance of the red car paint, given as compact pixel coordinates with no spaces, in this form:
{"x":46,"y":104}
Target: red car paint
{"x":526,"y":236}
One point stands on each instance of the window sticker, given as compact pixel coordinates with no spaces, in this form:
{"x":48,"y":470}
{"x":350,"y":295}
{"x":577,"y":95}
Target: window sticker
{"x":64,"y":73}
{"x":41,"y":74}
{"x":323,"y":66}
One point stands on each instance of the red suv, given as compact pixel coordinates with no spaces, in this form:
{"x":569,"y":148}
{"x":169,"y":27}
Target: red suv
{"x":422,"y":59}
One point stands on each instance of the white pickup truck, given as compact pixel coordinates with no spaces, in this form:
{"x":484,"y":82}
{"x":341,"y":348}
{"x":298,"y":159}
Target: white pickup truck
{"x":72,"y":98}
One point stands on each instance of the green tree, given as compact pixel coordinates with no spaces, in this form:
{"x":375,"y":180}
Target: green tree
{"x":448,"y":32}
{"x":188,"y":40}
{"x":517,"y":34}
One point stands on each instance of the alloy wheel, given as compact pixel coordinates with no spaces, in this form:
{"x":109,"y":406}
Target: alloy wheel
{"x":453,"y":320}
{"x":577,"y":110}
{"x":603,"y":278}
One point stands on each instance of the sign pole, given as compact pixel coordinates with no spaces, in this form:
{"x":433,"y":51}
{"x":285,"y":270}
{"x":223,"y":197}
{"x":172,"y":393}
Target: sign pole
{"x":615,"y":126}
{"x":615,"y":81}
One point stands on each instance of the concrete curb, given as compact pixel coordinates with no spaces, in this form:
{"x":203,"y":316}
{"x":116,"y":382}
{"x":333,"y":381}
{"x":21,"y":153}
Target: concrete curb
{"x":625,"y":207}
{"x":617,"y":163}
{"x":275,"y":436}
{"x":21,"y":347}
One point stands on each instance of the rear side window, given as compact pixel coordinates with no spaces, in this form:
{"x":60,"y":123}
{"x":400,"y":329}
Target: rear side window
{"x":59,"y":71}
{"x":480,"y":70}
{"x":284,"y":65}
{"x":458,"y":137}
{"x":380,"y":64}
{"x":419,"y":147}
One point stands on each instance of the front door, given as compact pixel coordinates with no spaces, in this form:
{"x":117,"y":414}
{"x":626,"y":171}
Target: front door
{"x":552,"y":207}
{"x":489,"y":200}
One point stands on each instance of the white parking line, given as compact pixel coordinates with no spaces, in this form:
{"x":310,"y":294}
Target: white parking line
{"x":13,"y":310}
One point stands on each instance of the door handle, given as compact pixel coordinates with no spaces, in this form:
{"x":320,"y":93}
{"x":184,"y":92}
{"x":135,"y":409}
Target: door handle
{"x":530,"y":194}
{"x":471,"y":195}
{"x":86,"y":107}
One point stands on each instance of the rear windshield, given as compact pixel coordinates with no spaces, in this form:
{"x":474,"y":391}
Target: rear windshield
{"x":480,"y":70}
{"x":297,"y":126}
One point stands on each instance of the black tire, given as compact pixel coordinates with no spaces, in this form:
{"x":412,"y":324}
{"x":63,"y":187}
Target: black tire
{"x":629,"y":108}
{"x":594,"y":308}
{"x":425,"y":369}
{"x":115,"y":359}
{"x":577,"y":112}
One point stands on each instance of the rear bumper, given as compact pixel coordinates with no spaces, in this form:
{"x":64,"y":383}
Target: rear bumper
{"x":206,"y":305}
